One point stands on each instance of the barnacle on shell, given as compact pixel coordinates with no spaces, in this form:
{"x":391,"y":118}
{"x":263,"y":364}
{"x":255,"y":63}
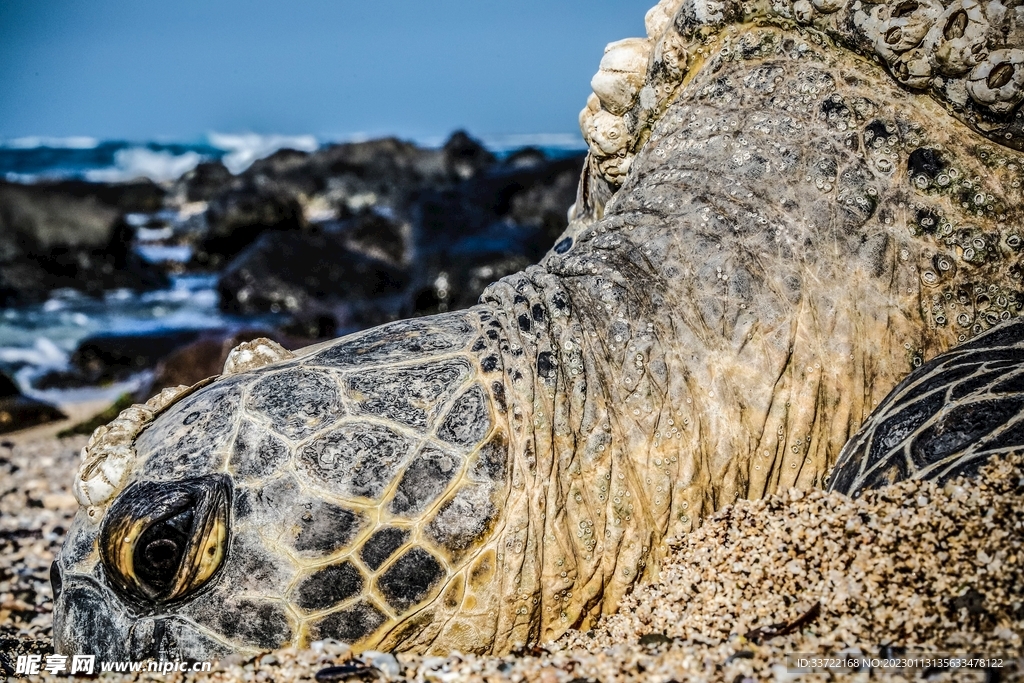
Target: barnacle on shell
{"x":998,"y":81}
{"x":621,"y":74}
{"x":109,"y":455}
{"x":956,"y":43}
{"x":254,"y":354}
{"x":894,"y":28}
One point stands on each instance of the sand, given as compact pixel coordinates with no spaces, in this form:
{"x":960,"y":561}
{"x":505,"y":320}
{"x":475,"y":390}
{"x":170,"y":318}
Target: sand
{"x":930,"y":569}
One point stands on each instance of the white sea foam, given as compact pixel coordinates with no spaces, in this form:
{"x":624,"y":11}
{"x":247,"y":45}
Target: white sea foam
{"x":33,"y":141}
{"x":244,"y":148}
{"x":140,"y":162}
{"x":25,"y":377}
{"x":42,"y":354}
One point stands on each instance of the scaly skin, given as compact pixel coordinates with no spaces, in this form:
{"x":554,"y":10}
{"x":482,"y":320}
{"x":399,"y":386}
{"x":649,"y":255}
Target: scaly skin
{"x":794,"y":234}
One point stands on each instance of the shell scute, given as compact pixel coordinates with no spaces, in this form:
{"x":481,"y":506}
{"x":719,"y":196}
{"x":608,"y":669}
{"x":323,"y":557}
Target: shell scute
{"x":310,"y":526}
{"x":328,"y":586}
{"x":410,"y":579}
{"x":256,"y":453}
{"x":351,"y":624}
{"x":355,"y":460}
{"x":424,"y":481}
{"x":399,"y":341}
{"x":191,"y":436}
{"x":256,"y":569}
{"x":265,"y":624}
{"x":491,"y":462}
{"x":469,"y":420}
{"x":297,"y":401}
{"x":409,"y":396}
{"x":382,"y":545}
{"x":945,"y":419}
{"x":464,"y":520}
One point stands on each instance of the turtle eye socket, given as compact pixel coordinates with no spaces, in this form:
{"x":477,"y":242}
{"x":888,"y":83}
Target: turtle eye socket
{"x":163,"y":541}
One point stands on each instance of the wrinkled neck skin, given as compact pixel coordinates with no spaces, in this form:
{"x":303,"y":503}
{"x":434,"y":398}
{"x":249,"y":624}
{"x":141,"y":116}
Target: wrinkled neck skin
{"x":780,"y":255}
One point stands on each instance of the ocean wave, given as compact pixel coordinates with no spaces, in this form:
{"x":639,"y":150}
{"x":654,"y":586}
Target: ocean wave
{"x":139,"y":162}
{"x":36,"y":141}
{"x":244,"y":148}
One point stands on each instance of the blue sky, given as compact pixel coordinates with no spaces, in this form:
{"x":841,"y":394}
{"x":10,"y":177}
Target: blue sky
{"x":178,"y":69}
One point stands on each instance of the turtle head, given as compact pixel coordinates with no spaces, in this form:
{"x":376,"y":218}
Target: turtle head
{"x":351,"y":492}
{"x":158,"y":546}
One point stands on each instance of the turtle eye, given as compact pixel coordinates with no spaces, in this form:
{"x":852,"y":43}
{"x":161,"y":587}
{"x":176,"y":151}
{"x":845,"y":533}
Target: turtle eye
{"x":161,"y":548}
{"x":163,"y":541}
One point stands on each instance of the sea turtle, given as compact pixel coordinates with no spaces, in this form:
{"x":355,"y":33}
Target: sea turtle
{"x":772,"y":230}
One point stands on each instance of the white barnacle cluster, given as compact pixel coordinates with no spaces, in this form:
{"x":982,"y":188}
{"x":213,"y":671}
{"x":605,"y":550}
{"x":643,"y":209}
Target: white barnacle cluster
{"x":108,"y":457}
{"x":966,"y":53}
{"x":635,"y":81}
{"x":252,"y":355}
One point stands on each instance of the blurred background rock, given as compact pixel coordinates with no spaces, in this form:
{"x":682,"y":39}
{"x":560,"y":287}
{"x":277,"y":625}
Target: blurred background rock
{"x":111,"y":288}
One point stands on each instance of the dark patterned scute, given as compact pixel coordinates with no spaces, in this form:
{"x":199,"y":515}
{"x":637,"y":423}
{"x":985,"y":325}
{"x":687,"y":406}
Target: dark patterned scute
{"x":311,"y":526}
{"x":424,"y":480}
{"x":356,"y":459}
{"x":399,"y":341}
{"x":944,"y":420}
{"x":256,"y":454}
{"x":325,"y":528}
{"x":351,"y":624}
{"x":410,"y":579}
{"x":264,"y":626}
{"x":405,"y":395}
{"x":297,"y":402}
{"x":469,"y":420}
{"x":254,"y":568}
{"x":491,"y":461}
{"x":189,"y":438}
{"x":87,"y":618}
{"x":382,"y":545}
{"x":328,"y":586}
{"x":464,"y":520}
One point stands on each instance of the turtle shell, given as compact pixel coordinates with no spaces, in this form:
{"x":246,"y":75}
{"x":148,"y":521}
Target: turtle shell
{"x":946,"y":419}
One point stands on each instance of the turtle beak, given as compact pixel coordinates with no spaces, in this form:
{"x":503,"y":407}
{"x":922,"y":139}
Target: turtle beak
{"x":89,"y":619}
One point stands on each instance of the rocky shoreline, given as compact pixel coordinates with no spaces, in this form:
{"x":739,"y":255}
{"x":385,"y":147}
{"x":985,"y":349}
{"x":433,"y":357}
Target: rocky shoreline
{"x":912,"y":568}
{"x":325,"y":243}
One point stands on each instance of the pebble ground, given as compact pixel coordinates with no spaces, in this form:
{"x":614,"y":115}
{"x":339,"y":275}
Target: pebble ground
{"x":914,"y":567}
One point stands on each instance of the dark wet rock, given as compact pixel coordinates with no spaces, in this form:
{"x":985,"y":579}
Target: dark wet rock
{"x":548,"y":190}
{"x":236,"y":218}
{"x":20,"y":412}
{"x":111,"y":358}
{"x":492,"y":225}
{"x":464,"y":157}
{"x":136,"y":196}
{"x":291,"y":271}
{"x":386,"y":173}
{"x":204,"y":182}
{"x":50,"y":239}
{"x":376,"y":236}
